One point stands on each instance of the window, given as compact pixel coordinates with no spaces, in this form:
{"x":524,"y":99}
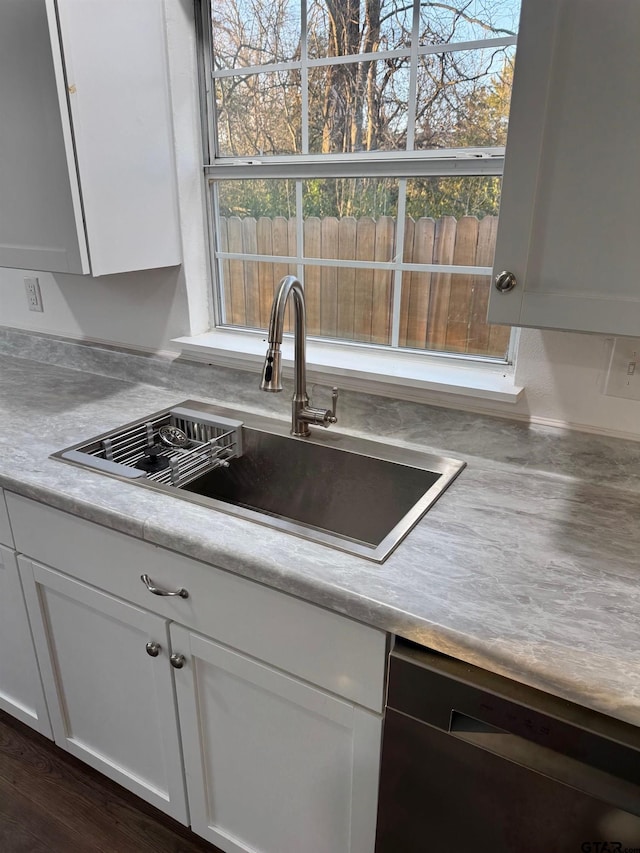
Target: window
{"x":358,"y":144}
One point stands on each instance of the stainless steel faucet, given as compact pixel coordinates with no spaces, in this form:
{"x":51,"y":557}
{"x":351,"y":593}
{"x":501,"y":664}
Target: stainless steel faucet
{"x":302,"y":414}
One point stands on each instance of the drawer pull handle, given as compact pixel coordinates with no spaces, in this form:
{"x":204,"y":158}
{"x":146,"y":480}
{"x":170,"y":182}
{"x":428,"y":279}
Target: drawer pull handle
{"x":156,"y":590}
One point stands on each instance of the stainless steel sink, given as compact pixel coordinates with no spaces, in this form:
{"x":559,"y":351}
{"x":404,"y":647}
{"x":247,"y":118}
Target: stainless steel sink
{"x":356,"y":495}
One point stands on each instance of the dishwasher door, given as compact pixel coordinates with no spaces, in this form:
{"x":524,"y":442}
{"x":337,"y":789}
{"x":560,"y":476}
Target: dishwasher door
{"x":475,"y":763}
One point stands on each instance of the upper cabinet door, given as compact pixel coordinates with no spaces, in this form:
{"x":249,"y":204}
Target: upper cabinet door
{"x":116,"y":83}
{"x":87,"y":179}
{"x":568,"y":218}
{"x":40,"y":216}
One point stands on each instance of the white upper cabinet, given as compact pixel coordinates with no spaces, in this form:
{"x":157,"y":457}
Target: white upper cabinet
{"x":87,"y":179}
{"x":569,"y":214}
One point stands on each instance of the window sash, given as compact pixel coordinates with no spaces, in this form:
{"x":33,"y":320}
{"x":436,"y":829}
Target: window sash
{"x":470,"y":162}
{"x":300,"y":260}
{"x":402,"y":164}
{"x":436,"y":158}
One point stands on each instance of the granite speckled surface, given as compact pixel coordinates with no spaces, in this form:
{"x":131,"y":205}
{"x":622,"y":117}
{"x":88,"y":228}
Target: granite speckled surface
{"x":529,"y":565}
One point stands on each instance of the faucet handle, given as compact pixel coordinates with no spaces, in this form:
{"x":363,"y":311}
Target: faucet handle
{"x":333,"y":418}
{"x":321,"y":417}
{"x":329,"y":416}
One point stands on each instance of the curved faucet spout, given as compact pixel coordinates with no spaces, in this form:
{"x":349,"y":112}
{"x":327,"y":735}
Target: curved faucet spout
{"x":302,"y":414}
{"x":289,"y":285}
{"x":272,"y":371}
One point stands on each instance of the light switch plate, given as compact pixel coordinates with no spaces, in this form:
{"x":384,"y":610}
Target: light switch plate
{"x":623,"y":378}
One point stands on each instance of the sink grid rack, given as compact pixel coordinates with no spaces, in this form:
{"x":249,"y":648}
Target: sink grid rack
{"x":213,"y":442}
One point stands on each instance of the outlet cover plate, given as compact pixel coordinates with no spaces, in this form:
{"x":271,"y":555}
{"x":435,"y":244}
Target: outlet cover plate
{"x":34,"y":296}
{"x":623,"y":377}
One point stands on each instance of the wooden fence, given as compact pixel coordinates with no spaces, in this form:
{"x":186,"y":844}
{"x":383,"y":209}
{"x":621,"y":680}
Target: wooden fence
{"x":438,"y":311}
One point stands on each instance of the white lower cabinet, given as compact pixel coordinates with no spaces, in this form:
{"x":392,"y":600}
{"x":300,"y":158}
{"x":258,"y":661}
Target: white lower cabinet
{"x":6,"y":536}
{"x":258,"y":722}
{"x":112,"y":705}
{"x":21,"y":692}
{"x":273,"y":764}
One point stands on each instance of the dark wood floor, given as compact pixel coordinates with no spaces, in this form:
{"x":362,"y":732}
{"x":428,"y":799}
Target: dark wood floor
{"x":52,"y":803}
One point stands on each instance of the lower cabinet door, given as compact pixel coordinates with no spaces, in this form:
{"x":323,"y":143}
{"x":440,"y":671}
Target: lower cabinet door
{"x":21,"y":693}
{"x":273,"y":764}
{"x":110,"y":695}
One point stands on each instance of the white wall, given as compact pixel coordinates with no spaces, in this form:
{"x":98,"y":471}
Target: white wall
{"x":563,"y":372}
{"x":142,"y":309}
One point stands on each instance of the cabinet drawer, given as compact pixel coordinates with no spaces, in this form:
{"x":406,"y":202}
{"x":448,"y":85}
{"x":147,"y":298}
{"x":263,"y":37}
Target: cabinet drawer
{"x":6,"y":537}
{"x":327,"y":649}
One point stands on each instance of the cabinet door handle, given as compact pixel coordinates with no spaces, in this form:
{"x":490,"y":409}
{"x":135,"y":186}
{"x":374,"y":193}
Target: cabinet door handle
{"x":177,"y":661}
{"x":156,"y":590}
{"x":153,"y":649}
{"x":505,"y":281}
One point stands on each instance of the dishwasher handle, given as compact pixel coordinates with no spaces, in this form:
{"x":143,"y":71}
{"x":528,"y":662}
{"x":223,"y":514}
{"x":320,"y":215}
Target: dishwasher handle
{"x":548,"y":762}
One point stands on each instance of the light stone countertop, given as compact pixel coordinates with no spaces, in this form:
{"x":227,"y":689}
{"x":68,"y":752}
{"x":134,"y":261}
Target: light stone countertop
{"x":529,"y":565}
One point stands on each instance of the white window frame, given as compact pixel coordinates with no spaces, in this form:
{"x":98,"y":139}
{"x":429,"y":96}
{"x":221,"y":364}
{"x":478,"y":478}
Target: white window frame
{"x":384,"y":369}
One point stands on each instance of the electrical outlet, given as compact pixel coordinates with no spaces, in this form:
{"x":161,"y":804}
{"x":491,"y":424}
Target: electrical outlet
{"x":623,"y":378}
{"x":34,"y":297}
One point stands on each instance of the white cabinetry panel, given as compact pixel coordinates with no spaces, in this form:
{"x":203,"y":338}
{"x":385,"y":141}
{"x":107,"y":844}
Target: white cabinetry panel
{"x":87,"y":181}
{"x":273,"y":765}
{"x":112,"y":705}
{"x":279,"y":730}
{"x":21,"y":692}
{"x":118,"y":93}
{"x":337,"y":653}
{"x":6,"y":536}
{"x":38,"y":223}
{"x":568,"y":217}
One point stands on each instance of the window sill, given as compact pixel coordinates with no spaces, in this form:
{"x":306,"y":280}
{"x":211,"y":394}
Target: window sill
{"x":389,"y":373}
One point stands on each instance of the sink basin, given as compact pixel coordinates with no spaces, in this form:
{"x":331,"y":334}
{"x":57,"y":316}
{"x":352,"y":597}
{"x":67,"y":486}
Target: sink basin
{"x":353,"y":494}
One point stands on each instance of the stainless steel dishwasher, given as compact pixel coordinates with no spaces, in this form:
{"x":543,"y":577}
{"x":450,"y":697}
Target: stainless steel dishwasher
{"x":475,"y":763}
